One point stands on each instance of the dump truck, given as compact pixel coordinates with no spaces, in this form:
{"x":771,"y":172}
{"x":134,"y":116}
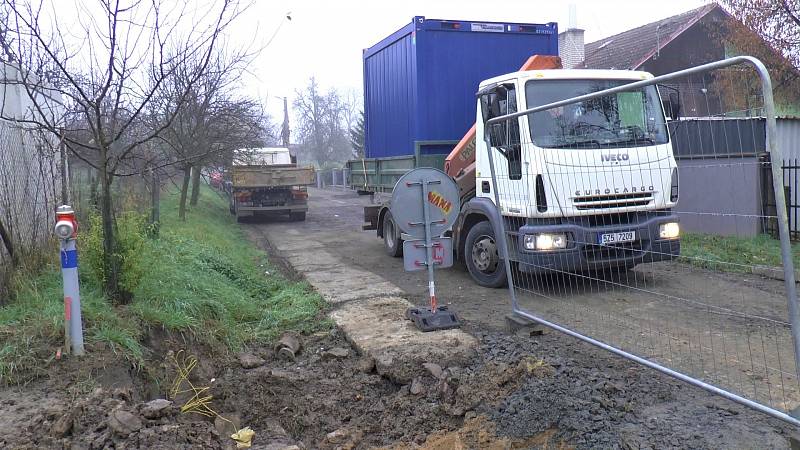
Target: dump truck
{"x":267,"y":181}
{"x":613,"y":210}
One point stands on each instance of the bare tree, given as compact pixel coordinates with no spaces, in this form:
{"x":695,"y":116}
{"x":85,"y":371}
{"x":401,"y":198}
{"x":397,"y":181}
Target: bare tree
{"x":770,"y":31}
{"x":358,"y":136}
{"x":775,"y":21}
{"x":324,"y":121}
{"x":103,"y":75}
{"x":212,"y":120}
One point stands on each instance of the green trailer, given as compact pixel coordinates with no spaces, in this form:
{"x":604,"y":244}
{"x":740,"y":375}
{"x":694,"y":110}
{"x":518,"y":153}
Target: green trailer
{"x":371,"y":175}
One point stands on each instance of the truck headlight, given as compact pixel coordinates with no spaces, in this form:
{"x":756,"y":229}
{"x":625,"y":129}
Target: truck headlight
{"x":669,"y":230}
{"x":545,"y":241}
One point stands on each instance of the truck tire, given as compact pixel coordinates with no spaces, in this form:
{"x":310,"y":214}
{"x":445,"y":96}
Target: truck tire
{"x":483,"y":257}
{"x":392,"y":243}
{"x":297,"y":216}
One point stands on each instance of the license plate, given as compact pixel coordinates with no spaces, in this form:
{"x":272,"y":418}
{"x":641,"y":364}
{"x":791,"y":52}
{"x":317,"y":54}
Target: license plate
{"x":616,"y":238}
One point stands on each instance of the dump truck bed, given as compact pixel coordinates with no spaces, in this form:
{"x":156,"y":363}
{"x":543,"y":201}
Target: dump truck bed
{"x":271,"y":176}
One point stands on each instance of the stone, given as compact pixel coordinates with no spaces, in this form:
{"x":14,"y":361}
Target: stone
{"x":366,"y":365}
{"x":416,"y":387}
{"x":286,"y":375}
{"x":156,"y":408}
{"x":124,"y":422}
{"x":62,"y":426}
{"x":434,"y":369}
{"x":250,"y":361}
{"x":336,"y":353}
{"x":344,"y":438}
{"x":338,"y":436}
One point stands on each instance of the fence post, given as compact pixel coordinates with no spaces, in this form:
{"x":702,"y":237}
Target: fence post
{"x":780,"y":206}
{"x":500,"y":228}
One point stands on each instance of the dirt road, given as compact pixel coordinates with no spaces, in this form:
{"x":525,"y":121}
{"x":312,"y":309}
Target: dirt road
{"x":635,"y":310}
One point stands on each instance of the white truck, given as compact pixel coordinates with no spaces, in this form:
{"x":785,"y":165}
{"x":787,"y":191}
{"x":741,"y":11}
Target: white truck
{"x":586,"y":187}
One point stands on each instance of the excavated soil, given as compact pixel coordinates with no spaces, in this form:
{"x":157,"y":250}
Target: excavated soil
{"x":544,"y":391}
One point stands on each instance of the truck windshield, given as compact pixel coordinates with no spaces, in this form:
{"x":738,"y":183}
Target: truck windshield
{"x":624,"y":119}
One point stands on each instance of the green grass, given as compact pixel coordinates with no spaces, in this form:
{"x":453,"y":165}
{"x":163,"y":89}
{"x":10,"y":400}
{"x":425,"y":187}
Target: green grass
{"x":732,"y":254}
{"x":201,"y":278}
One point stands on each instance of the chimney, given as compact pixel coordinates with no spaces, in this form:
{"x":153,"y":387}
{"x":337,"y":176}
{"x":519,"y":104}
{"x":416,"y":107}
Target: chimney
{"x":570,"y":42}
{"x":570,"y":48}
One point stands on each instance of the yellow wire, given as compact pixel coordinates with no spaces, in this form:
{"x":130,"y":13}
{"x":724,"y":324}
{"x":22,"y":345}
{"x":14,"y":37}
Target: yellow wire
{"x":198,"y":403}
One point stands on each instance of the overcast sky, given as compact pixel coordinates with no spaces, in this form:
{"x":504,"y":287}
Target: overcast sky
{"x":325,"y":38}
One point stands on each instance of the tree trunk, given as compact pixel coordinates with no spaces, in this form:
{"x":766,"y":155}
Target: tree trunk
{"x":5,"y":236}
{"x":111,"y":263}
{"x":93,"y":182}
{"x":195,"y":185}
{"x":187,"y":172}
{"x":155,"y":193}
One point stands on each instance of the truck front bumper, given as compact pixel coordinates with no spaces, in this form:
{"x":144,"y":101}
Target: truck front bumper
{"x":586,"y":254}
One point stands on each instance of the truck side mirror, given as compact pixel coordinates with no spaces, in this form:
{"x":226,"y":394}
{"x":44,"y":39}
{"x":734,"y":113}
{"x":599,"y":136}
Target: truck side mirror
{"x":674,"y":105}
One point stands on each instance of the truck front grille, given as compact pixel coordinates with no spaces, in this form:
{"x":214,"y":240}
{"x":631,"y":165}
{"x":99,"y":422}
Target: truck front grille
{"x":612,"y":201}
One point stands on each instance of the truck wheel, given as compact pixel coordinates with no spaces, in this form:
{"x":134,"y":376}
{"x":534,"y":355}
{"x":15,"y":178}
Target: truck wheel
{"x":391,"y":238}
{"x":297,"y":216}
{"x":483,"y":257}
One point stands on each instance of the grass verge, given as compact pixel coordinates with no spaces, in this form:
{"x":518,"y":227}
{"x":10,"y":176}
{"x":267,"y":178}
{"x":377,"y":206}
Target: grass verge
{"x":732,"y":253}
{"x":201,"y":277}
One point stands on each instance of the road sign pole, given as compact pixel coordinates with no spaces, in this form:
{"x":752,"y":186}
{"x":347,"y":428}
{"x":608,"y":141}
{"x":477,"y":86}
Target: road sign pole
{"x":425,"y":204}
{"x":426,"y":217}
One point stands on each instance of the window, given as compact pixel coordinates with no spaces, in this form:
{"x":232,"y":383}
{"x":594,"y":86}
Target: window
{"x":624,"y":119}
{"x":504,"y":135}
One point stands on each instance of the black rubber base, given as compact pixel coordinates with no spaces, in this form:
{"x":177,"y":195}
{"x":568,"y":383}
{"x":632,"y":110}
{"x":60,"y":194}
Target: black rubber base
{"x":427,"y":320}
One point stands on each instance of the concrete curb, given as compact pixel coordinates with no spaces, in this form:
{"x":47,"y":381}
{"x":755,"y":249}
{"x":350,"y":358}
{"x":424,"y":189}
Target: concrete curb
{"x":370,"y":312}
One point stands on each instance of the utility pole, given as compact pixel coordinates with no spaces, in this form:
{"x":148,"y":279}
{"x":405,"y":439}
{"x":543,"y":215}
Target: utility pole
{"x":285,"y":128}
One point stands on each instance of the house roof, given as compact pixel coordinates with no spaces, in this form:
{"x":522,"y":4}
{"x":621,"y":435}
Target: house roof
{"x":630,"y":49}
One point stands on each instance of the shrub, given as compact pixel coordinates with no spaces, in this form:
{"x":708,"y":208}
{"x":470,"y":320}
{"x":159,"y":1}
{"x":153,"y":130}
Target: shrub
{"x":131,"y":232}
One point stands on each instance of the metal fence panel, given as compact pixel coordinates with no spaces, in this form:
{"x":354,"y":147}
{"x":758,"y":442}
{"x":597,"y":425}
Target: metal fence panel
{"x":595,"y":174}
{"x":30,"y":187}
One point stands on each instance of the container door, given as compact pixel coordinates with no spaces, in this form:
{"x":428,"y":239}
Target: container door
{"x":510,"y":164}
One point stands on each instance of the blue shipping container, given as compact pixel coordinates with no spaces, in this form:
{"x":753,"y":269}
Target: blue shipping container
{"x":420,"y":82}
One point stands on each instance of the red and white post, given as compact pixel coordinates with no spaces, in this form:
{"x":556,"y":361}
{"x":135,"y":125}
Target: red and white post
{"x":66,"y":229}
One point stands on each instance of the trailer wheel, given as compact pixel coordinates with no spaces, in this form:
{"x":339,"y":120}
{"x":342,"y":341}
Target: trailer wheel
{"x":297,"y":216}
{"x":483,"y":257}
{"x":392,"y":243}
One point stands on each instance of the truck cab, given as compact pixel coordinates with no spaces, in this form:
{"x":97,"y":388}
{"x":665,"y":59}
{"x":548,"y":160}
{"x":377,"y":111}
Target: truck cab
{"x":583,"y":187}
